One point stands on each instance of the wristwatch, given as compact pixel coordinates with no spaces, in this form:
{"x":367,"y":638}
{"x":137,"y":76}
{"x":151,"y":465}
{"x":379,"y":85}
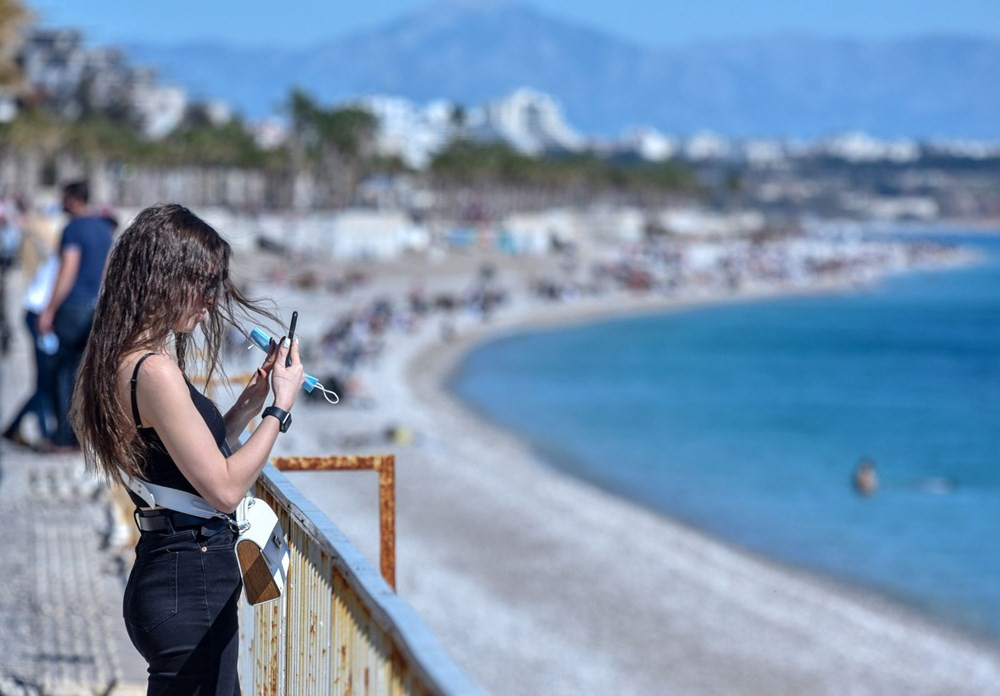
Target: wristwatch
{"x":284,"y":417}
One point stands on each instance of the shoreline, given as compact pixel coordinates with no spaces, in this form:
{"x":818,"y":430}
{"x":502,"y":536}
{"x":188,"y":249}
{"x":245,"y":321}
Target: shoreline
{"x":840,"y":585}
{"x":475,"y":499}
{"x":445,"y":364}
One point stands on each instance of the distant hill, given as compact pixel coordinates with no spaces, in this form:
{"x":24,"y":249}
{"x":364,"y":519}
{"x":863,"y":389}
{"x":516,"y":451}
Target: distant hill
{"x":786,"y":85}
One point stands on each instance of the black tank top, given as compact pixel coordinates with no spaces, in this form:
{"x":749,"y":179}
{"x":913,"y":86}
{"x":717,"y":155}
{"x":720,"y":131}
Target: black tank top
{"x":157,"y":465}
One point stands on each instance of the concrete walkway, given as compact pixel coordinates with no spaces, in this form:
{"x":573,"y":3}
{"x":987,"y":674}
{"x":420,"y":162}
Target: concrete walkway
{"x":65,"y":559}
{"x":60,"y":607}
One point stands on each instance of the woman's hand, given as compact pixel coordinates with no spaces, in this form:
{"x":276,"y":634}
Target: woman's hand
{"x":286,"y":381}
{"x":252,"y":398}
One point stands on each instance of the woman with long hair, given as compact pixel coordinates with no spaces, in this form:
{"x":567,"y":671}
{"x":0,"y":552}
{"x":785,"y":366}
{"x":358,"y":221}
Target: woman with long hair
{"x":137,"y":414}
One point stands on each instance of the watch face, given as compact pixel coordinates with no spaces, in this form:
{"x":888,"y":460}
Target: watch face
{"x":283,"y":417}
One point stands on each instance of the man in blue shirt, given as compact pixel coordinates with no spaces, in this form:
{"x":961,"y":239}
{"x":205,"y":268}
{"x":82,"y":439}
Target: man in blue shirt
{"x":70,"y":313}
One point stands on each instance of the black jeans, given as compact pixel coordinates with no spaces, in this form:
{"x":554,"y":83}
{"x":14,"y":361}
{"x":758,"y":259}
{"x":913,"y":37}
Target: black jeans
{"x":42,"y":401}
{"x":180,"y":610}
{"x":72,"y":325}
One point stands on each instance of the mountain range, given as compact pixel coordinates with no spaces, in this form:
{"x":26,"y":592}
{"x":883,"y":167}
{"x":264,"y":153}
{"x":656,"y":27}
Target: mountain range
{"x":471,"y":52}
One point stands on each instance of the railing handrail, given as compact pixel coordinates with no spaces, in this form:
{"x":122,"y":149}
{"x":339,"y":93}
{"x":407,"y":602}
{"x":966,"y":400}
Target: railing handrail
{"x":415,"y":642}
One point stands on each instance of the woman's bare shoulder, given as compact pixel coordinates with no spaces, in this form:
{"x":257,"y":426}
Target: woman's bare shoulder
{"x":157,"y":369}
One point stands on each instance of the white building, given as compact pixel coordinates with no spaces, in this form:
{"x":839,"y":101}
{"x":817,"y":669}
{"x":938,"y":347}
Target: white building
{"x":160,"y":108}
{"x":53,"y":64}
{"x":650,"y":144}
{"x":535,"y":232}
{"x":706,"y":145}
{"x":761,"y":152}
{"x":8,"y":106}
{"x":695,"y":222}
{"x":269,"y":133}
{"x":408,"y":131}
{"x":972,"y":149}
{"x":613,"y":225}
{"x":529,"y":121}
{"x":367,"y":234}
{"x":74,"y":80}
{"x":219,"y":112}
{"x":860,"y":147}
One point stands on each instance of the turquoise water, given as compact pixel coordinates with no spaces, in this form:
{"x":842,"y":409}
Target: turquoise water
{"x":746,"y":421}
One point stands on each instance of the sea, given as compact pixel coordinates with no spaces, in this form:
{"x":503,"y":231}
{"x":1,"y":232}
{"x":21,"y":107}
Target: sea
{"x":747,"y":421}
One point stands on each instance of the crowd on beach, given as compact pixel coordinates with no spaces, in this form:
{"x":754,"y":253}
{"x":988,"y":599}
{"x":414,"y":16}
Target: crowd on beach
{"x":356,"y":337}
{"x":372,"y":318}
{"x":658,"y":266}
{"x":669,"y":267}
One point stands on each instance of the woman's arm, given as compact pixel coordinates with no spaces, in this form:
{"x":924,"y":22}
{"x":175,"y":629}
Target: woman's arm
{"x":251,"y":399}
{"x":242,"y":412}
{"x":165,"y":403}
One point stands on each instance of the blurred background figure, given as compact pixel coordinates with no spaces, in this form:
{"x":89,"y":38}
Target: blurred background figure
{"x":40,"y":263}
{"x":10,"y":237}
{"x":83,"y":251}
{"x":865,"y":477}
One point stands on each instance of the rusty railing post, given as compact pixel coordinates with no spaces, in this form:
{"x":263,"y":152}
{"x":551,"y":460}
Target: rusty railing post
{"x":385,"y":465}
{"x":338,"y":628}
{"x":387,"y":517}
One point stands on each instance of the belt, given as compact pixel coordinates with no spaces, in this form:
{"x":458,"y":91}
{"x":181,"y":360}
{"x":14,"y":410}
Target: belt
{"x":159,"y":520}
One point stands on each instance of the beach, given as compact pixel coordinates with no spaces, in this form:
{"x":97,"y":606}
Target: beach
{"x":539,"y":583}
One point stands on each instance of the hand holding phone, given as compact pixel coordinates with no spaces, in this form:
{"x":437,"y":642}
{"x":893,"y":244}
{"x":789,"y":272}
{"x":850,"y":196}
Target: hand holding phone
{"x":263,"y":341}
{"x":260,"y":339}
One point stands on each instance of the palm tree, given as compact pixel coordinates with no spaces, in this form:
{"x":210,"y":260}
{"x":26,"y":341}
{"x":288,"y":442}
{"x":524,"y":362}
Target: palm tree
{"x":12,"y":16}
{"x":334,"y":144}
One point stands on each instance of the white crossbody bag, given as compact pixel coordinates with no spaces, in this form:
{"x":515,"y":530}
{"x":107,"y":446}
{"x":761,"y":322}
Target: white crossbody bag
{"x":261,"y":550}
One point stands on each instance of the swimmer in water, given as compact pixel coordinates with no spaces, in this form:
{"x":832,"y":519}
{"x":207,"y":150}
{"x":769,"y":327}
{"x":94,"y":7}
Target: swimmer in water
{"x":865,"y":478}
{"x":865,"y":481}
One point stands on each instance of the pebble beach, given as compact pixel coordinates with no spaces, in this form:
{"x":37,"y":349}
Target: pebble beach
{"x":538,"y":583}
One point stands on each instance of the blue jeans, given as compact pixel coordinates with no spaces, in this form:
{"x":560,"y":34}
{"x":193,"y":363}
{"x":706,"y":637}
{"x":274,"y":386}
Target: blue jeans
{"x":72,"y":326}
{"x":42,"y":402}
{"x":180,"y":610}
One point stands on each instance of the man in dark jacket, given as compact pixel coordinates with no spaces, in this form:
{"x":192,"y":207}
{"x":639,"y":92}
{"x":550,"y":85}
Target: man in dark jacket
{"x":83,"y":252}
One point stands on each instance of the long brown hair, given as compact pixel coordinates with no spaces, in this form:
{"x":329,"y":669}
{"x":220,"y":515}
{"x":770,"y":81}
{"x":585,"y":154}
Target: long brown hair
{"x":164,"y":259}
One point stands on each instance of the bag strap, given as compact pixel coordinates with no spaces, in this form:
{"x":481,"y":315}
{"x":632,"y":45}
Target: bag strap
{"x":163,"y":496}
{"x":170,"y":498}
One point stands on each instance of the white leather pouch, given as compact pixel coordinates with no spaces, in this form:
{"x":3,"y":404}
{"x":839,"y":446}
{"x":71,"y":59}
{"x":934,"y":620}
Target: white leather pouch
{"x":261,"y":551}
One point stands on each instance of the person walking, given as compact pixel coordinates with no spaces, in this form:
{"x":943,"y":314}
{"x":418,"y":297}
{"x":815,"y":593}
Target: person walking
{"x":83,"y":251}
{"x":137,"y":414}
{"x":39,"y":262}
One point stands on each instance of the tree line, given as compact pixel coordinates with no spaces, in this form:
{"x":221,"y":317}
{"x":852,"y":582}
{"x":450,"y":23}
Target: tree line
{"x":335,"y":145}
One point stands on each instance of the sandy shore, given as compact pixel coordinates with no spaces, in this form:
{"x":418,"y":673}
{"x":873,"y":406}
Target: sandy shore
{"x":541,"y":584}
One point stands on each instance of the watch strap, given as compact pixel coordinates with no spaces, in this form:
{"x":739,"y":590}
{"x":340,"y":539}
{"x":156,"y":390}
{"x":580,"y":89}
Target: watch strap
{"x":283,"y":416}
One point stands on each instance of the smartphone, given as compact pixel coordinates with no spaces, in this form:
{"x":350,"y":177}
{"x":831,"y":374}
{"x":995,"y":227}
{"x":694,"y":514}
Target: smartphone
{"x":291,"y":337}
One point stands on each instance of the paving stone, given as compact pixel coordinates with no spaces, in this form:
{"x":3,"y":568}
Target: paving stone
{"x":64,"y":561}
{"x":60,"y":605}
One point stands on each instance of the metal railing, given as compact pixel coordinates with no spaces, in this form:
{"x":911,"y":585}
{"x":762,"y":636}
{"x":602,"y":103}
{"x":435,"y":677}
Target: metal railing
{"x":385,"y":466}
{"x":338,"y":628}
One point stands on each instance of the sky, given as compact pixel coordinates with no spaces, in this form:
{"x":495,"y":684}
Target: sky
{"x":291,"y":23}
